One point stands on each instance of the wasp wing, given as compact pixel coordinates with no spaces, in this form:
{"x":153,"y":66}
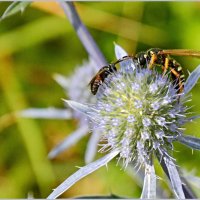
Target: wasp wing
{"x":181,"y":52}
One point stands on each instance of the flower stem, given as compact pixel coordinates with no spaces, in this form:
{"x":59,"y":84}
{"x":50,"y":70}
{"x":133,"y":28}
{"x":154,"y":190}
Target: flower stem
{"x":82,"y":32}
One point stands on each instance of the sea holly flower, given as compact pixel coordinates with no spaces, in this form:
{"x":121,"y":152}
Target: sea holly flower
{"x":76,"y":88}
{"x":79,"y":92}
{"x":139,"y":114}
{"x":76,"y":91}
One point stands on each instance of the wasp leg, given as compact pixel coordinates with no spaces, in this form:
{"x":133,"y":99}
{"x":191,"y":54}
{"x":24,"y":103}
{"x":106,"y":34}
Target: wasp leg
{"x":179,"y":79}
{"x":152,"y":61}
{"x":166,"y":66}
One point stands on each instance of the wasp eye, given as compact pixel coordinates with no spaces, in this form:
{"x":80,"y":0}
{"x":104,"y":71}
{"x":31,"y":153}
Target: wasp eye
{"x":142,"y":59}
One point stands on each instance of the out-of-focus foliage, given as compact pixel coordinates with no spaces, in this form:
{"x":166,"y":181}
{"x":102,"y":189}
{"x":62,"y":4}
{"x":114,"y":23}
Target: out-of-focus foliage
{"x":15,"y":7}
{"x":40,"y":42}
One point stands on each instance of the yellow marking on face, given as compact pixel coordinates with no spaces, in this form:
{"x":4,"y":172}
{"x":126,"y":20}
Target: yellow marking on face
{"x":152,"y":61}
{"x":166,"y":66}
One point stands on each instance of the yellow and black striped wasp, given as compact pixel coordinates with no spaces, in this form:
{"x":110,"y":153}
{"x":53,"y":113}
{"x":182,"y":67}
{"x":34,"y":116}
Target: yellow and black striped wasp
{"x":152,"y":58}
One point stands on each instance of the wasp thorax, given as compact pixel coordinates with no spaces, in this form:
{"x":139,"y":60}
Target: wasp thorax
{"x":139,"y":112}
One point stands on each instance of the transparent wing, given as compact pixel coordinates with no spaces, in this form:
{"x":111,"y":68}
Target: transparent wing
{"x":181,"y":52}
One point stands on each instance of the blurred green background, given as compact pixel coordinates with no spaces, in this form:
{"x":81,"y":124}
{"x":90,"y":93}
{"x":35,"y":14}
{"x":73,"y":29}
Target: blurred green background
{"x":40,"y":42}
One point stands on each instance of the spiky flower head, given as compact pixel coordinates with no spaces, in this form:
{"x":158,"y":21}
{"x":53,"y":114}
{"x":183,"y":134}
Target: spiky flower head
{"x":139,"y":112}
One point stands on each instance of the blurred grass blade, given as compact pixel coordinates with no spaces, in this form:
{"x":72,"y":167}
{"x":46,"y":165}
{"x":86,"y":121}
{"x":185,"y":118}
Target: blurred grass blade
{"x":190,"y":141}
{"x":14,"y":8}
{"x":107,"y":22}
{"x":32,"y":34}
{"x":7,"y":120}
{"x":31,"y":136}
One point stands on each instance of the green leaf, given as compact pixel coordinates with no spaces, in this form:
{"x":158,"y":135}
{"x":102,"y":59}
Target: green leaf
{"x":15,"y":7}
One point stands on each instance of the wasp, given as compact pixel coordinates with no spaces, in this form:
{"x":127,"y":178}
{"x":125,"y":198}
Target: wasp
{"x":98,"y":79}
{"x":156,"y":58}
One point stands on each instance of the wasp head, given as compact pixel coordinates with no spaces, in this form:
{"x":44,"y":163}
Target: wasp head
{"x":141,"y":58}
{"x":159,"y":58}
